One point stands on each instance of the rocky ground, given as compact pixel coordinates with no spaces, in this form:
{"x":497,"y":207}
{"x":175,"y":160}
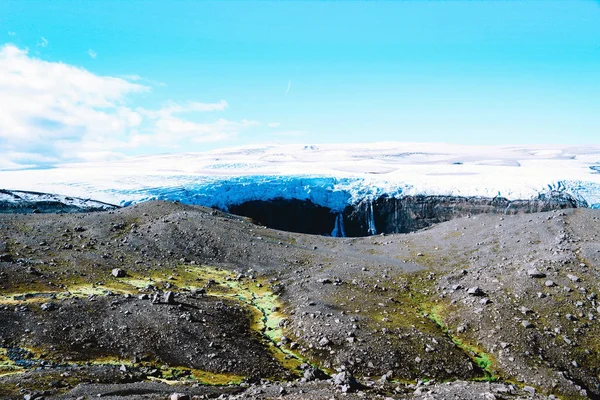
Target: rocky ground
{"x":162,"y":298}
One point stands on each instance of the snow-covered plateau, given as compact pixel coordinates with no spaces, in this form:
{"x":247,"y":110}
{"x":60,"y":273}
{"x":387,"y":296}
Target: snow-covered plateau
{"x":331,"y":175}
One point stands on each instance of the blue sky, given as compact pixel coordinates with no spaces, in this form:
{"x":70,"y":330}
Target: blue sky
{"x":112,"y":78}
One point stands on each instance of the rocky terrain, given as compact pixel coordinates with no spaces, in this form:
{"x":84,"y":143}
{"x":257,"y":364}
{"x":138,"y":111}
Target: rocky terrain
{"x":162,"y":300}
{"x":24,"y":202}
{"x":385,"y":214}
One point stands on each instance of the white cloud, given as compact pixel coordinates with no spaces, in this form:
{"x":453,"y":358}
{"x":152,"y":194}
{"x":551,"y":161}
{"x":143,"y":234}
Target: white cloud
{"x":45,"y":104}
{"x":11,"y":33}
{"x":51,"y":112}
{"x":92,"y":54}
{"x":289,"y":133}
{"x":175,"y":108}
{"x":273,"y":124}
{"x":134,"y":77}
{"x":171,"y":131}
{"x":43,"y":42}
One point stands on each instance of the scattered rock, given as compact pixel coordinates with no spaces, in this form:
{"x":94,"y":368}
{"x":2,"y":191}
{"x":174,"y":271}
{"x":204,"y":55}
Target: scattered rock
{"x":47,"y":307}
{"x":526,"y":324}
{"x":475,"y":291}
{"x":535,"y":273}
{"x":118,"y":272}
{"x":573,"y":278}
{"x":312,"y":374}
{"x":168,"y":297}
{"x":529,"y":389}
{"x":345,"y":382}
{"x":525,"y":310}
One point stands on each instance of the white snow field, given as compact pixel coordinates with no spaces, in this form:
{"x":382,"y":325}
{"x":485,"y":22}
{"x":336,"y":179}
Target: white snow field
{"x":332,"y":175}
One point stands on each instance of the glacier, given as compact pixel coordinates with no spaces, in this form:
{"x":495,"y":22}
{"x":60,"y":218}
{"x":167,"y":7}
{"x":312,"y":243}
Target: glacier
{"x":330,"y":175}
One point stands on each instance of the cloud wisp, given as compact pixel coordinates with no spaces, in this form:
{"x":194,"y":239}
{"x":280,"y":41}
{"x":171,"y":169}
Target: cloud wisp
{"x":52,"y":113}
{"x":288,"y":87}
{"x":92,"y":54}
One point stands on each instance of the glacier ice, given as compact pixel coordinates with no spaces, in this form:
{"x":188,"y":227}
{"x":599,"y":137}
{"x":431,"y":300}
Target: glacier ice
{"x":330,"y":175}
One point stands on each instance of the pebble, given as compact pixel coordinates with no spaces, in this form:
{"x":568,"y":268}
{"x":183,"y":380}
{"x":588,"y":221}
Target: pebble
{"x":535,"y":273}
{"x":529,"y":389}
{"x":525,"y":310}
{"x":345,"y":381}
{"x":475,"y":291}
{"x":118,"y":272}
{"x":168,"y":297}
{"x":527,"y":324}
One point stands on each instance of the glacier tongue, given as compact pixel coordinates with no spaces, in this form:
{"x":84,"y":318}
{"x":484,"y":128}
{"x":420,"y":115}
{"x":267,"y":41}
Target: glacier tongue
{"x":331,"y":175}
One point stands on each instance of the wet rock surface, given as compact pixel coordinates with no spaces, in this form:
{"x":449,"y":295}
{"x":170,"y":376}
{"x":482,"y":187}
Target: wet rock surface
{"x":272,"y":314}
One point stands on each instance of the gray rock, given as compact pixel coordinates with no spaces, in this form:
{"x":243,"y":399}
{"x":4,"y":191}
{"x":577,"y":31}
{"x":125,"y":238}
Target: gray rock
{"x":179,"y":396}
{"x":324,"y":341}
{"x":168,"y":297}
{"x":312,"y":374}
{"x":525,"y":310}
{"x":118,"y":273}
{"x":529,"y":389}
{"x":535,"y":273}
{"x":573,"y":278}
{"x":475,"y":291}
{"x":549,"y":283}
{"x":47,"y":307}
{"x":345,"y":381}
{"x":526,"y":324}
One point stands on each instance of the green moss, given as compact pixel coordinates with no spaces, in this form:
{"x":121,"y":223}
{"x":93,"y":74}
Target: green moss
{"x":484,"y":360}
{"x":7,"y":366}
{"x":254,"y":294}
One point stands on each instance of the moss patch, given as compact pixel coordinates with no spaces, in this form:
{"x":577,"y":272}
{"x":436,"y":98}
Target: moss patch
{"x":484,"y":360}
{"x":253,"y":293}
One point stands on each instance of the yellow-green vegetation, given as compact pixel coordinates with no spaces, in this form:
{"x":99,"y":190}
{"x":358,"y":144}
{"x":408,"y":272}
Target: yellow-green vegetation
{"x":484,"y":360}
{"x":253,"y":293}
{"x":413,"y":306}
{"x":7,"y":366}
{"x":170,"y":374}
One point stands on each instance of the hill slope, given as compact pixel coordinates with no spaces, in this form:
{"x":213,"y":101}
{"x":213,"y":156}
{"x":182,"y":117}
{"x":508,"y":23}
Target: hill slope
{"x":168,"y":292}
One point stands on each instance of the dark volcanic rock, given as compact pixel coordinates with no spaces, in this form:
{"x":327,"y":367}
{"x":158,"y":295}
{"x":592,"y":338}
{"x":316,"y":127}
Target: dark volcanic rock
{"x":411,"y":213}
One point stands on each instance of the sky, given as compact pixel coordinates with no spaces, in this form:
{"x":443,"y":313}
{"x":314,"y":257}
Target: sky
{"x":100,"y":80}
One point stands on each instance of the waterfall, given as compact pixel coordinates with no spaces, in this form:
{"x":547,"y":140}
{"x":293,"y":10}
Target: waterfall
{"x":396,"y":217}
{"x":338,"y":227}
{"x":371,"y":219}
